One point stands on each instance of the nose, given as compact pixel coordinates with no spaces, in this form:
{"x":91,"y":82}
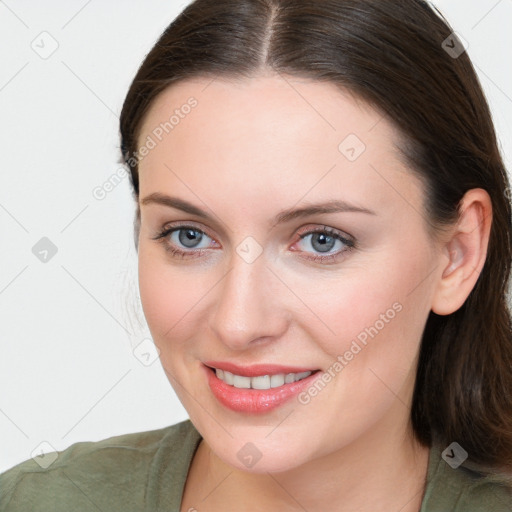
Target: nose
{"x":249,"y":306}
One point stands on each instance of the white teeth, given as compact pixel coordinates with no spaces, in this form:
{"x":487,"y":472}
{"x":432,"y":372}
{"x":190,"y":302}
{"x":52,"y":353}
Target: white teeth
{"x":303,"y":375}
{"x":290,"y":377}
{"x":261,"y":381}
{"x":276,"y":380}
{"x":241,"y":382}
{"x":228,"y":378}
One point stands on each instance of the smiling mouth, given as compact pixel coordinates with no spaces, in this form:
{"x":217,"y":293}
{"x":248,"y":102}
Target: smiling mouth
{"x":260,"y":382}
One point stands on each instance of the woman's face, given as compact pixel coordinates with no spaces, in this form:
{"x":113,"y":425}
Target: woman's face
{"x":257,"y":285}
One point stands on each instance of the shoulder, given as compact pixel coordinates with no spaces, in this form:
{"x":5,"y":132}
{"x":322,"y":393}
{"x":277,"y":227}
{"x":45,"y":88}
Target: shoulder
{"x":462,"y":488}
{"x":111,"y":474}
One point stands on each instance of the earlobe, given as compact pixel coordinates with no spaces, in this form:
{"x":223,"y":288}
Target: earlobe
{"x":464,"y":253}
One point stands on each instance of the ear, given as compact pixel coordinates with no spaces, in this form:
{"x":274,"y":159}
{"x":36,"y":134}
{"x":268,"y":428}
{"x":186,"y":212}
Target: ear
{"x":464,"y":253}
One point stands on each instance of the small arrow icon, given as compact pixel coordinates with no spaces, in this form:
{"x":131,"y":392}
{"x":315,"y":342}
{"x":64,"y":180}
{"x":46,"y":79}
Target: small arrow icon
{"x":146,"y":352}
{"x":454,"y":455}
{"x":249,"y":249}
{"x":44,"y":454}
{"x":44,"y":250}
{"x":454,"y":45}
{"x":45,"y":45}
{"x":249,"y":455}
{"x":351,"y":147}
{"x":450,"y":455}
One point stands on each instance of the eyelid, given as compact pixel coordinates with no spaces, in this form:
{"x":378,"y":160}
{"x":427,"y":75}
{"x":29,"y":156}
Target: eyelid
{"x":321,"y":228}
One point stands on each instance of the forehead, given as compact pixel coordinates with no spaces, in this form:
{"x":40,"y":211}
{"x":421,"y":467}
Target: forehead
{"x":265,"y":106}
{"x":269,"y":134}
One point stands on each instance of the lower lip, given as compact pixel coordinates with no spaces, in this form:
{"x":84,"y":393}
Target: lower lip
{"x":255,"y":401}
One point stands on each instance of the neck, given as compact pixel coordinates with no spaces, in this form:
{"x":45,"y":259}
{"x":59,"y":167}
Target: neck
{"x":384,"y":469}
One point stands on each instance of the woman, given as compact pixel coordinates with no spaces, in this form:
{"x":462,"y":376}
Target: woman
{"x":324,"y":251}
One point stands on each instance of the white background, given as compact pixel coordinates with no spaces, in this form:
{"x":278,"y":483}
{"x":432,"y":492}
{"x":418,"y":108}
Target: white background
{"x":69,"y":326}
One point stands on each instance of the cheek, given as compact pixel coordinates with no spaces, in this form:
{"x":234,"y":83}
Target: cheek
{"x":375,"y":312}
{"x":168,"y":295}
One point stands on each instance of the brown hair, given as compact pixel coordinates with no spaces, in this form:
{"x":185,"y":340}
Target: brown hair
{"x":391,"y":54}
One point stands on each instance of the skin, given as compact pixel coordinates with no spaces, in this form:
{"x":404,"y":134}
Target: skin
{"x":248,"y":150}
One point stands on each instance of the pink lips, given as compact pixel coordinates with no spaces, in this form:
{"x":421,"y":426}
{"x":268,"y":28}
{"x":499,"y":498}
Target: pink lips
{"x":255,"y":401}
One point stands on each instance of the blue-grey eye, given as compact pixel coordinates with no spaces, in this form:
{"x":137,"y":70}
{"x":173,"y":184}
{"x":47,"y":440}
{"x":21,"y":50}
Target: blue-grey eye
{"x":322,"y":242}
{"x":189,"y":237}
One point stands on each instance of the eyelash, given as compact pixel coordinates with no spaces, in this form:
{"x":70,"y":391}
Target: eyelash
{"x":350,"y":245}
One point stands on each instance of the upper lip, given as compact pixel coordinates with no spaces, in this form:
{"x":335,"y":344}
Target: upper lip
{"x":257,"y":369}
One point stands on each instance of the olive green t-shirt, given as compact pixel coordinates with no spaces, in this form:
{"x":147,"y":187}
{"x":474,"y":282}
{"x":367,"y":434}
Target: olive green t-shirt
{"x":146,"y":472}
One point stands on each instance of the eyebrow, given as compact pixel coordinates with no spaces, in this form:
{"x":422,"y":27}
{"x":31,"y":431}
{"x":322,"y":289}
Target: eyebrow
{"x":333,"y":206}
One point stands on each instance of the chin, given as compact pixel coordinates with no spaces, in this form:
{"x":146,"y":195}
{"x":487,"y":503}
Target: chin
{"x":255,"y":454}
{"x":273,"y":464}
